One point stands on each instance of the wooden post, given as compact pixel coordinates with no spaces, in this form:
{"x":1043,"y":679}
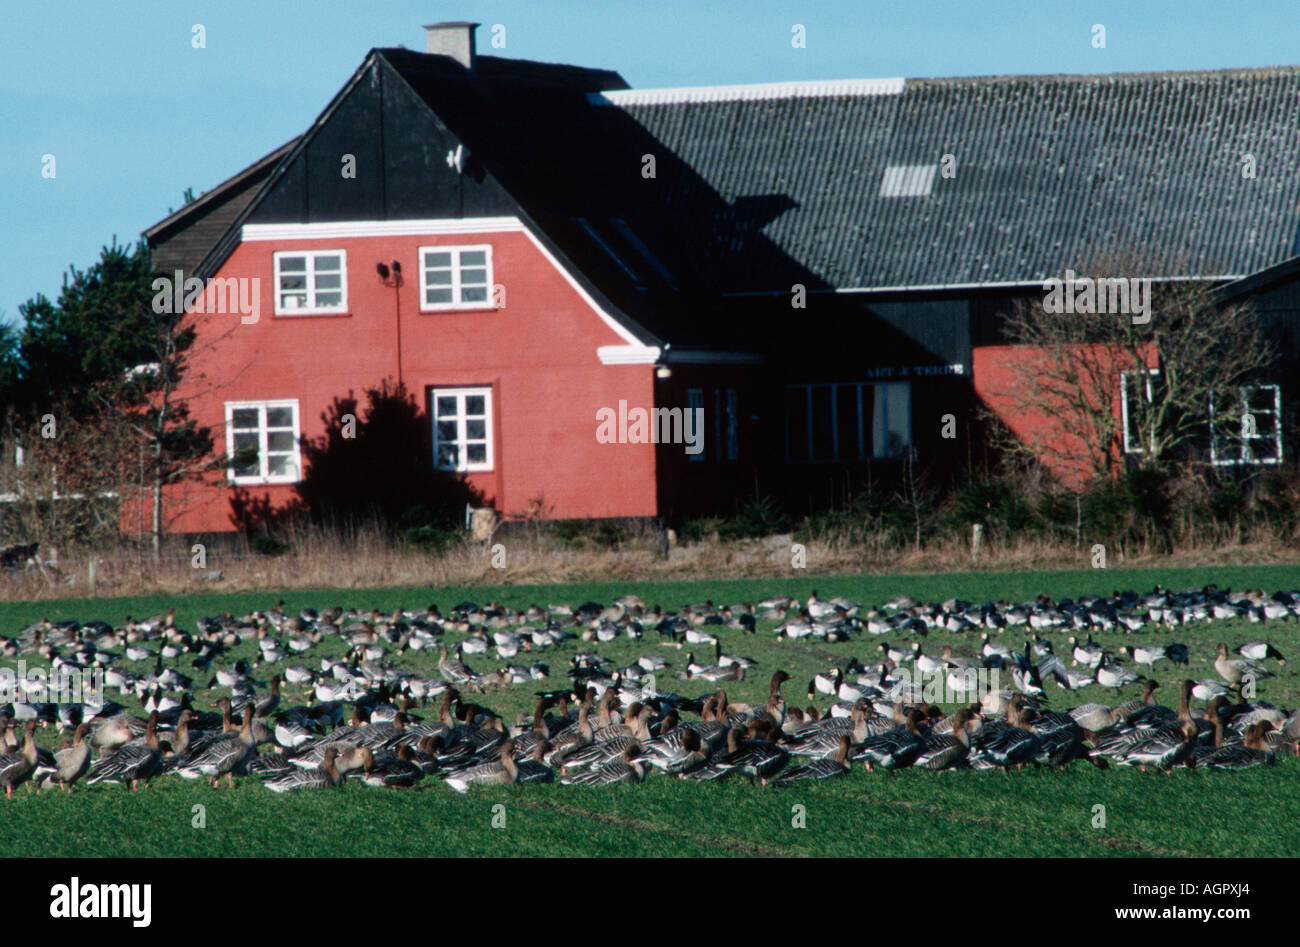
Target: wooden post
{"x":976,"y":540}
{"x":90,"y":575}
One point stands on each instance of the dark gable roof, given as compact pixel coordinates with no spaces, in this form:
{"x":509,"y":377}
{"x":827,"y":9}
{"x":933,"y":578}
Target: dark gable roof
{"x":760,"y":187}
{"x":1049,"y":171}
{"x":182,"y":239}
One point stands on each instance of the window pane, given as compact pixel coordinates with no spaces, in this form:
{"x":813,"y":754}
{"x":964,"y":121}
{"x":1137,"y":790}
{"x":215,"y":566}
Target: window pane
{"x":477,"y":453}
{"x":823,"y":433}
{"x":446,"y":455}
{"x":473,"y":258}
{"x":474,"y":294}
{"x":328,"y":263}
{"x":281,"y":416}
{"x":439,"y":278}
{"x":244,"y":418}
{"x":293,"y":264}
{"x":446,"y":432}
{"x":436,"y":297}
{"x":846,"y":420}
{"x":246,"y":460}
{"x":796,"y":423}
{"x":329,"y":300}
{"x":280,"y":465}
{"x":291,"y":282}
{"x":446,"y":406}
{"x":329,"y":280}
{"x":280,"y":441}
{"x":475,"y":405}
{"x":900,"y":436}
{"x":296,"y":301}
{"x":437,"y":258}
{"x":476,"y":430}
{"x":476,"y":275}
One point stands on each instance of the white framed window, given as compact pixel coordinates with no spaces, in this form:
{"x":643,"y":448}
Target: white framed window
{"x":848,"y":421}
{"x":311,"y":282}
{"x":1132,"y":395}
{"x":455,"y":277}
{"x":1249,"y":430}
{"x":462,"y":428}
{"x":695,"y":404}
{"x":262,"y":442}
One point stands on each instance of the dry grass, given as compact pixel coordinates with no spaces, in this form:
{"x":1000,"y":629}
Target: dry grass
{"x":371,"y":559}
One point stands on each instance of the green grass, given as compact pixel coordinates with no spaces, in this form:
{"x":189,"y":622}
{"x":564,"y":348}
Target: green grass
{"x":1032,"y":813}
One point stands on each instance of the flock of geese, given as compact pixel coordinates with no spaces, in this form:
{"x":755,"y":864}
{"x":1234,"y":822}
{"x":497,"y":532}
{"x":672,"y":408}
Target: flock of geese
{"x":615,"y":724}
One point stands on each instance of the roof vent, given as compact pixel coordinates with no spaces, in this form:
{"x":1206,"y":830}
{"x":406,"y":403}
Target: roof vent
{"x":453,"y":39}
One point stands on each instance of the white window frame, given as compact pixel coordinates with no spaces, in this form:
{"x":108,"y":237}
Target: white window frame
{"x":461,"y":393}
{"x":1246,"y":457}
{"x":312,"y":308}
{"x":694,"y":400}
{"x":456,"y":287}
{"x":263,"y":453}
{"x":1130,"y":447}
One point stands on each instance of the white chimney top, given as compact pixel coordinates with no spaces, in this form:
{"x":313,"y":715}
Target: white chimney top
{"x":454,"y":39}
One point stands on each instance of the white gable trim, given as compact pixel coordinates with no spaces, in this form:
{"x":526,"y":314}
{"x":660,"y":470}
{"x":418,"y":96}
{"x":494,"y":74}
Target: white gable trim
{"x":342,"y":229}
{"x":814,"y":88}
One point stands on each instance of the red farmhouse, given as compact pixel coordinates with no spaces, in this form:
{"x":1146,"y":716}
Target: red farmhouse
{"x":534,"y":247}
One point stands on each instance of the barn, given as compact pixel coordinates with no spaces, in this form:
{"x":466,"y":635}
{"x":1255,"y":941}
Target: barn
{"x":649,"y":303}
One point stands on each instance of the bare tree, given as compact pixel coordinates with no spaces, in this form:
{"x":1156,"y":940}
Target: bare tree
{"x":1094,"y":386}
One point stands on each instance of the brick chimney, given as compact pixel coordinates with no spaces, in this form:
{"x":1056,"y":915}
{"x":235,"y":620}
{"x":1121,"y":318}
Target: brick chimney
{"x":453,"y":39}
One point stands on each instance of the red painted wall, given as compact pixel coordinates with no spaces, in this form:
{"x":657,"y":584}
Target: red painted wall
{"x":1063,"y":452}
{"x":538,"y":354}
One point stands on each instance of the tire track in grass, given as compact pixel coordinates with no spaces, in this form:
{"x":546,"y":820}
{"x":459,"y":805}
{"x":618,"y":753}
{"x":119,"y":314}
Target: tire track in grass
{"x":744,"y":848}
{"x":1138,"y":848}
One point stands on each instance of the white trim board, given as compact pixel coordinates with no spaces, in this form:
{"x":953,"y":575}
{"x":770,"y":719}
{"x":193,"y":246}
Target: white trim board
{"x":808,"y":89}
{"x":342,"y":229}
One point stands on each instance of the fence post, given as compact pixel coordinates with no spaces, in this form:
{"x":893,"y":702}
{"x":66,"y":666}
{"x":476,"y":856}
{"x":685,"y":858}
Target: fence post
{"x":90,"y":574}
{"x":976,"y":540}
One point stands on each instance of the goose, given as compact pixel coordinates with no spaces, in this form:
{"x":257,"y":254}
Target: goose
{"x":227,"y":755}
{"x":1260,"y":651}
{"x":131,"y":762}
{"x":501,"y":771}
{"x":627,"y":768}
{"x":1146,"y":654}
{"x":326,"y":777}
{"x":1252,"y":751}
{"x":823,"y":768}
{"x":1239,"y":671}
{"x":17,"y":767}
{"x":534,"y":769}
{"x":757,"y":757}
{"x":948,"y":750}
{"x":392,"y":769}
{"x":1005,"y":743}
{"x":72,"y":762}
{"x":454,"y":671}
{"x":895,"y":749}
{"x":1093,"y":716}
{"x":1110,"y":674}
{"x":1163,"y":751}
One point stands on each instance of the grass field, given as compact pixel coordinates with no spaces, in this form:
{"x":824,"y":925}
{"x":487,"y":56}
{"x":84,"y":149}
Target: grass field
{"x":1036,"y":812}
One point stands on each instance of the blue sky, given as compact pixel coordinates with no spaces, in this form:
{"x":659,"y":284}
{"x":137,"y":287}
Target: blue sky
{"x":133,"y":114}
